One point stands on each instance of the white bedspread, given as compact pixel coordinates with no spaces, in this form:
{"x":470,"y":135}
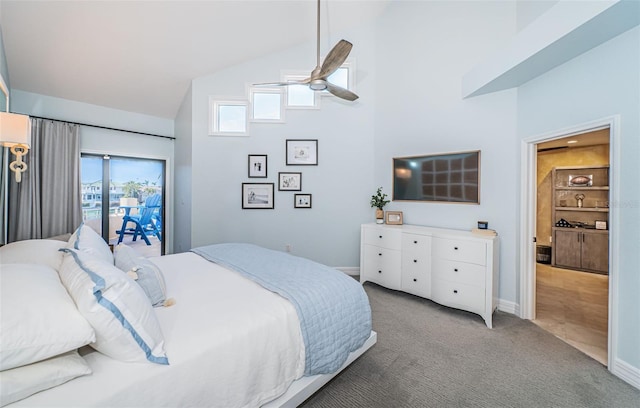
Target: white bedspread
{"x":230,"y":343}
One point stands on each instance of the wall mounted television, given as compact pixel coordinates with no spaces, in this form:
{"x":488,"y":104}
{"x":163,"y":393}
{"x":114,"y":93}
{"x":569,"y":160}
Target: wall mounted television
{"x":449,"y":177}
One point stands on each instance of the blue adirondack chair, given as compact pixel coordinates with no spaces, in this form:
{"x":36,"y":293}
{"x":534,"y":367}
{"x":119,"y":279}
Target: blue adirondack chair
{"x":147,"y":221}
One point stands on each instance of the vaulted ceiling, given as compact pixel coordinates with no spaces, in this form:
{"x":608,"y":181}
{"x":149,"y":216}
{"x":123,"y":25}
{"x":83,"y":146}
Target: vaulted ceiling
{"x":140,"y":56}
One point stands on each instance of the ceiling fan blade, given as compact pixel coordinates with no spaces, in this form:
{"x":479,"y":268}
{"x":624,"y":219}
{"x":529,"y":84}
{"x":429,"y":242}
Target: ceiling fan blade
{"x":273,"y":84}
{"x":341,"y":92}
{"x":335,"y":58}
{"x":301,"y":82}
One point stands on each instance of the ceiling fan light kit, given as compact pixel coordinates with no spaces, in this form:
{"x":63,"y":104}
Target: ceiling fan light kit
{"x":317,"y":81}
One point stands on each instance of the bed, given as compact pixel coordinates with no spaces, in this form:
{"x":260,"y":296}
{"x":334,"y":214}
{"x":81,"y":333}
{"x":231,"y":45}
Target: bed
{"x":227,"y":341}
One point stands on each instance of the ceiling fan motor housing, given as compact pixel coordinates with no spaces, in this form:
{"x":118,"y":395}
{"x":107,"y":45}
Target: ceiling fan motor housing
{"x":318,"y":85}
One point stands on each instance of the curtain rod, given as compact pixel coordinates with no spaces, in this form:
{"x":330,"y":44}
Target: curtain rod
{"x":105,"y":127}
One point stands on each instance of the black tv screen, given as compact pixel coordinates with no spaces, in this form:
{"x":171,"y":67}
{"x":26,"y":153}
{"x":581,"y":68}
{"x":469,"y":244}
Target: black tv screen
{"x":450,"y":177}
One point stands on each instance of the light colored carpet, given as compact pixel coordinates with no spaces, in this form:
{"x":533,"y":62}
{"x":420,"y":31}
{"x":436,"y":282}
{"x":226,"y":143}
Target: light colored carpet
{"x":428,"y":355}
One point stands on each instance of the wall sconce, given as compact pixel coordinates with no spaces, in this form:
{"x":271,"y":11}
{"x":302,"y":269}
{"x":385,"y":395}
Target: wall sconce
{"x":403,"y":173}
{"x":15,"y":133}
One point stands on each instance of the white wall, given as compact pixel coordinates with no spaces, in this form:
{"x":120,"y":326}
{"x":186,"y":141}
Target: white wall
{"x":340,"y":185}
{"x":529,"y":10}
{"x":423,"y":50}
{"x":601,"y":83}
{"x":183,"y":217}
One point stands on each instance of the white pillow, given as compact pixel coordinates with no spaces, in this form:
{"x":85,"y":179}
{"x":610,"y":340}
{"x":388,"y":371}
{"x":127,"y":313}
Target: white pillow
{"x":38,"y":319}
{"x":124,"y":321}
{"x":149,"y":276}
{"x":21,"y":382}
{"x":35,"y":251}
{"x":87,"y":240}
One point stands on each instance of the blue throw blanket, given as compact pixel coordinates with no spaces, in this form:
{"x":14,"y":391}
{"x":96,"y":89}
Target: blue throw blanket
{"x":333,"y":308}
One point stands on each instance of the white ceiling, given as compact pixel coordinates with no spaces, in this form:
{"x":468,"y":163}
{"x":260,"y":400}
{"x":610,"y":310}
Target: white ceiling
{"x":140,"y":56}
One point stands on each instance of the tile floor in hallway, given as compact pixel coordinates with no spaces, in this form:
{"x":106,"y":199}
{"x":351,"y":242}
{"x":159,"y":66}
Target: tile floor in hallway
{"x":573,"y":305}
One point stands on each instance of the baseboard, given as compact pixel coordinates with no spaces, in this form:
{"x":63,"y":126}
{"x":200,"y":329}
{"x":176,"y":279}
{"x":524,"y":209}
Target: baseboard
{"x":508,"y":307}
{"x":626,"y":372}
{"x":349,"y":270}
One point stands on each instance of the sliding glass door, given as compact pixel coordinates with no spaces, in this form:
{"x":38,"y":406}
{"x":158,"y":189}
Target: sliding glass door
{"x":123,"y":200}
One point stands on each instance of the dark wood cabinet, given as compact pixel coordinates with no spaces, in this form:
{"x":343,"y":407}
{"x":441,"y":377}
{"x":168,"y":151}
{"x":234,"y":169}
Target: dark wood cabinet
{"x":582,"y":249}
{"x":580,"y":198}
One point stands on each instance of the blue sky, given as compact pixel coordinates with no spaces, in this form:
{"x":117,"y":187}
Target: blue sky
{"x":123,"y":170}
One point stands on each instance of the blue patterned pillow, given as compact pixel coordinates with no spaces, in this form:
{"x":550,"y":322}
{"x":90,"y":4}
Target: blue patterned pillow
{"x":143,"y":271}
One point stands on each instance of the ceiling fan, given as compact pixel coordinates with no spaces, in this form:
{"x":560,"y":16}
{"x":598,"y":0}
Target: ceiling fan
{"x":317,"y":81}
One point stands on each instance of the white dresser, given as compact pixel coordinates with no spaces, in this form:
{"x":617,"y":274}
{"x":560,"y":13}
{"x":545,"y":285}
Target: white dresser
{"x":452,"y":267}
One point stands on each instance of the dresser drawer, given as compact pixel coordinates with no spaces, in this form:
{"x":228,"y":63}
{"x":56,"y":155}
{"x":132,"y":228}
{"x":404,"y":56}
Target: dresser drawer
{"x":462,"y":272}
{"x":460,"y":250}
{"x":382,"y":265}
{"x":382,"y":237}
{"x":416,"y":244}
{"x":458,"y":295}
{"x":416,"y":281}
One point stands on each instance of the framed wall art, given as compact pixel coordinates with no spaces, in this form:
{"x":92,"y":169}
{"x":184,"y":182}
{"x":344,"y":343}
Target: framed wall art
{"x":302,"y":201}
{"x":257,"y":166}
{"x":257,"y":196}
{"x":393,"y":217}
{"x":289,"y":181}
{"x":302,"y":152}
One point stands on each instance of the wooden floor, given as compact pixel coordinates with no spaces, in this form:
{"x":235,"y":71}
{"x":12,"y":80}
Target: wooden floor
{"x":573,"y":305}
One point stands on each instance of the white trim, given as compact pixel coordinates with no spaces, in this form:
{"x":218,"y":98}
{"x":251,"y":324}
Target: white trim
{"x":5,"y":89}
{"x":350,"y":66}
{"x":293,"y":76}
{"x":508,"y":307}
{"x":527,"y":220}
{"x":626,"y":372}
{"x":215,"y":102}
{"x":349,"y":270}
{"x":5,"y":163}
{"x":527,"y":216}
{"x":253,"y":90}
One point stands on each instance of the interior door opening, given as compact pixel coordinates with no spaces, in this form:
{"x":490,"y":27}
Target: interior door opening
{"x":572,"y":240}
{"x":123,"y":200}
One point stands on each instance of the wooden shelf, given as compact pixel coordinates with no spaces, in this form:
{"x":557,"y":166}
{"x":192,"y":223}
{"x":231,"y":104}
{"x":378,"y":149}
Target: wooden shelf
{"x":578,"y":247}
{"x":585,"y":209}
{"x":576,"y":188}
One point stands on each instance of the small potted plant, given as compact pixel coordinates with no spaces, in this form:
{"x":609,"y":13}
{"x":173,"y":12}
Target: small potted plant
{"x":378,"y":201}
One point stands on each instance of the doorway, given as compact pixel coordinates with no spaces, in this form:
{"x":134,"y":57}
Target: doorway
{"x":118,"y":188}
{"x":527,"y":241}
{"x":572,"y":245}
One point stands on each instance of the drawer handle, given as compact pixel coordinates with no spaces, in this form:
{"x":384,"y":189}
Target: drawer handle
{"x":456,"y":248}
{"x":379,"y":254}
{"x":379,"y":236}
{"x":455,"y":291}
{"x":415,"y":280}
{"x":455,"y":269}
{"x":415,"y":260}
{"x":415,"y":242}
{"x":379,"y":271}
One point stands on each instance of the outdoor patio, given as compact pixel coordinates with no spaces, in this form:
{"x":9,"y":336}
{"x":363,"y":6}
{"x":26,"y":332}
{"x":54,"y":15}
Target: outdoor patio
{"x":140,"y":246}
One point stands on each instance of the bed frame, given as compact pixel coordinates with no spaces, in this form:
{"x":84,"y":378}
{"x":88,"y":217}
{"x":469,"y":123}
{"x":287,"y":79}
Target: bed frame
{"x":304,"y":387}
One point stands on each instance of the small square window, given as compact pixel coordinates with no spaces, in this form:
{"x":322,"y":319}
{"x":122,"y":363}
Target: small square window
{"x":267,"y":105}
{"x":228,"y":118}
{"x":300,"y":96}
{"x":343,"y":77}
{"x":340,"y":77}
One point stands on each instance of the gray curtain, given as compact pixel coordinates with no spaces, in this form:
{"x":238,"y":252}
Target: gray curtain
{"x":4,"y":169}
{"x":48,"y":200}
